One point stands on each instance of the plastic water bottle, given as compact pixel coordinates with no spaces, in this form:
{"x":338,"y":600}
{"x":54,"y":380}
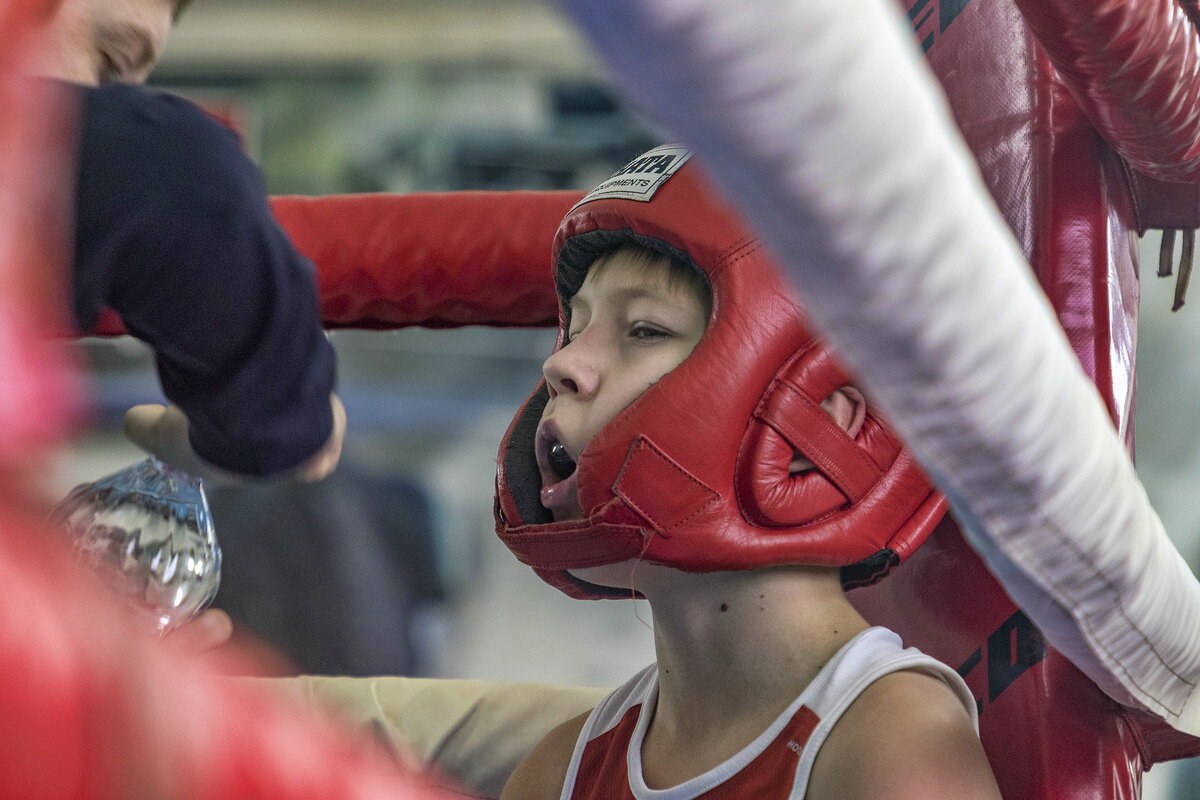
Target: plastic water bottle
{"x":148,"y":533}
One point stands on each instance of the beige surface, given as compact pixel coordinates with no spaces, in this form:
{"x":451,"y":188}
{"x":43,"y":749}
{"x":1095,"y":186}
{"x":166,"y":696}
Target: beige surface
{"x":472,"y":732}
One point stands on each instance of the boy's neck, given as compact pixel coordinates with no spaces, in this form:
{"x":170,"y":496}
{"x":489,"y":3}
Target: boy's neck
{"x":734,"y":649}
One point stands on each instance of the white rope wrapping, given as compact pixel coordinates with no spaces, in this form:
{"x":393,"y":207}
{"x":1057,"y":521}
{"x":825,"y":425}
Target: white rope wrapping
{"x":818,"y":118}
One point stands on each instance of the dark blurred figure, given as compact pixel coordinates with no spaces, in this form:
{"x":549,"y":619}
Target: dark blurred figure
{"x":330,"y":573}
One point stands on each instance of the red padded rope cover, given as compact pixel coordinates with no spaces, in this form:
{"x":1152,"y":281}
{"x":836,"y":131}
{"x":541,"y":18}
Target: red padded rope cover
{"x":432,"y":259}
{"x":1134,"y":68}
{"x":438,"y":260}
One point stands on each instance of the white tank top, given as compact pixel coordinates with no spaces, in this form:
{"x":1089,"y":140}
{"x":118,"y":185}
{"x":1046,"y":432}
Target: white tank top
{"x":607,"y":762}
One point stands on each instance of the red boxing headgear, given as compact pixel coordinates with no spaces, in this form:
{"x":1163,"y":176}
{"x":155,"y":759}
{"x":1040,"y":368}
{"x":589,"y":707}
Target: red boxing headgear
{"x":694,"y":474}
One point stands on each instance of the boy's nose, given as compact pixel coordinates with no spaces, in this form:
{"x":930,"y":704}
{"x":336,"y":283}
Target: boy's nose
{"x":571,"y":370}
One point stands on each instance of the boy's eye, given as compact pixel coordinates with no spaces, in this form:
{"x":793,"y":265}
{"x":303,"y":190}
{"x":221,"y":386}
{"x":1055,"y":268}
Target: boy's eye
{"x":644,"y":332}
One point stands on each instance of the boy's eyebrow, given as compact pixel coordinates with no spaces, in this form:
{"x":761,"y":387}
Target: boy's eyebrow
{"x":626,"y":294}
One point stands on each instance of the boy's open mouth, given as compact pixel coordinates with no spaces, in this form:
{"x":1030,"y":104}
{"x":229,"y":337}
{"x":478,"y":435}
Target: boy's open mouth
{"x":560,"y":461}
{"x":560,"y":488}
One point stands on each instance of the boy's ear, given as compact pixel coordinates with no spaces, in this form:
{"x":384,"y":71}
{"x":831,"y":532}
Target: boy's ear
{"x":848,"y":408}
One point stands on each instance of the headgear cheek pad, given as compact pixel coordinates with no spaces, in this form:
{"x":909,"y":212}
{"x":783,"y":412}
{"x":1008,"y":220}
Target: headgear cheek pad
{"x":694,"y":474}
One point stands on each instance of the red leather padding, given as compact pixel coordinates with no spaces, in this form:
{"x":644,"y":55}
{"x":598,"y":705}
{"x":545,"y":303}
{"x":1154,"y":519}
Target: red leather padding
{"x":1048,"y":732}
{"x":1046,"y":111}
{"x":790,"y":419}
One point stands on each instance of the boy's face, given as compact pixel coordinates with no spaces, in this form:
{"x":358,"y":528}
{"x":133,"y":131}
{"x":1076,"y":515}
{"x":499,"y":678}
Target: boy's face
{"x":630,"y":325}
{"x":102,"y":41}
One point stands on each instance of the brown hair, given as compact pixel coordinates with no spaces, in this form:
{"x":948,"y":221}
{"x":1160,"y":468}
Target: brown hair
{"x":647,"y":261}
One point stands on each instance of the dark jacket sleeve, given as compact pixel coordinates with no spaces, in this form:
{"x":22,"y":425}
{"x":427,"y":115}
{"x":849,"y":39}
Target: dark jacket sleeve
{"x":173,"y":232}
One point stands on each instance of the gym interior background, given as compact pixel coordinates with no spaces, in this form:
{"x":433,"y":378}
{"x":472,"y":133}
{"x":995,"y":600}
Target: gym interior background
{"x":391,"y":567}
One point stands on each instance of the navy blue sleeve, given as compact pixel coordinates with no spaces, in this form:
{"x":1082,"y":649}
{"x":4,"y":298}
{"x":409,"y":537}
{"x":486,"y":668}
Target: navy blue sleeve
{"x":174,"y":233}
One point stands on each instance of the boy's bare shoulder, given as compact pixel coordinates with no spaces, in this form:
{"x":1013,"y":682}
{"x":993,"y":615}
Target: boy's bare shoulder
{"x":906,"y":736}
{"x":541,"y":774}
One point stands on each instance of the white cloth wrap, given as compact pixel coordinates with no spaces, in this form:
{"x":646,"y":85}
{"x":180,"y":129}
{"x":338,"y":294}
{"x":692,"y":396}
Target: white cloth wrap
{"x":820,"y":121}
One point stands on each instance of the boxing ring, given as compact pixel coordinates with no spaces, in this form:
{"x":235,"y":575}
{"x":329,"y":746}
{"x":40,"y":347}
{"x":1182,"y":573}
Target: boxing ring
{"x":1062,"y":104}
{"x":1083,"y":124}
{"x":1075,"y":121}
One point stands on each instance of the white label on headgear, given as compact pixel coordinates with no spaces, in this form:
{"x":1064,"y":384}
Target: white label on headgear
{"x":641,"y":178}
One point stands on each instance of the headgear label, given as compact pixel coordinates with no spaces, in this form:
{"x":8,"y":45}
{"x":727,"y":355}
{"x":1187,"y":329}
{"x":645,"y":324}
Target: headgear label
{"x":642,"y":177}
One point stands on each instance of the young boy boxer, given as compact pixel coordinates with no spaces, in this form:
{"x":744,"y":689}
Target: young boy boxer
{"x":692,"y":443}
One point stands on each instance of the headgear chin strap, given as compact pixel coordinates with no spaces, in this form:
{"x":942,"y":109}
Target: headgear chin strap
{"x":694,"y":474}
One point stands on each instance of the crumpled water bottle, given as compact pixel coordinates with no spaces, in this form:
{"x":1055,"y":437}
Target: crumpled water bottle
{"x":148,"y":533}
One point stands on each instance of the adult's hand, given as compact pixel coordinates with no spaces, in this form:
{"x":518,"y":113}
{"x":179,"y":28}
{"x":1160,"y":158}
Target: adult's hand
{"x":325,"y":460}
{"x":207,"y":631}
{"x":162,"y":431}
